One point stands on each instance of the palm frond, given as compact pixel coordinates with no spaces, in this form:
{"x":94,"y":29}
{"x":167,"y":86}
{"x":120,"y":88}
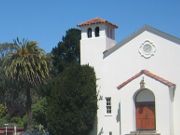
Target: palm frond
{"x":27,"y":62}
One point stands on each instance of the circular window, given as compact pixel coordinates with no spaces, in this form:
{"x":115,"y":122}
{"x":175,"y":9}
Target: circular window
{"x":147,"y":49}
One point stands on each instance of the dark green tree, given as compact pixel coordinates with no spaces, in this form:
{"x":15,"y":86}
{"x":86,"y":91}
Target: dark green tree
{"x":67,"y":51}
{"x":11,"y":92}
{"x":72,"y":103}
{"x":24,"y":62}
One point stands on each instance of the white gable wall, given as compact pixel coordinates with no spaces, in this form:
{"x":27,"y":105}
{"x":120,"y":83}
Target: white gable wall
{"x":126,"y":62}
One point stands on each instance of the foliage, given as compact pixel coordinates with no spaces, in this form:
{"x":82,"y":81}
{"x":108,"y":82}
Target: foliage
{"x":39,"y":112}
{"x":6,"y":118}
{"x":3,"y":120}
{"x":25,"y":63}
{"x":3,"y":110}
{"x":19,"y":121}
{"x":67,"y":51}
{"x":12,"y":94}
{"x":72,"y":103}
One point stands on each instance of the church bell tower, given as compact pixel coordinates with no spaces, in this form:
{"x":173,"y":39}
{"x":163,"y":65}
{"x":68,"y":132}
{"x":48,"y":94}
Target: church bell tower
{"x":97,"y":35}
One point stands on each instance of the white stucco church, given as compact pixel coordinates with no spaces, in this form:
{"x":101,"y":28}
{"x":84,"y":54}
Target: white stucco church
{"x":138,"y":79}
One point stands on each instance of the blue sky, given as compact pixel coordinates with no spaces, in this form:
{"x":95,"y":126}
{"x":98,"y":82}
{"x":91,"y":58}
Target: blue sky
{"x":46,"y":21}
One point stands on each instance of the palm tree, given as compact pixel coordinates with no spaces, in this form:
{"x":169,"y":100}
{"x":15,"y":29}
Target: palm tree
{"x":25,"y":62}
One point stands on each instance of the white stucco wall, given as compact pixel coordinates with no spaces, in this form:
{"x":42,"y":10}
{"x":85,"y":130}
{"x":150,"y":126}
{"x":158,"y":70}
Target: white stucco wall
{"x":162,"y":105}
{"x":124,"y":63}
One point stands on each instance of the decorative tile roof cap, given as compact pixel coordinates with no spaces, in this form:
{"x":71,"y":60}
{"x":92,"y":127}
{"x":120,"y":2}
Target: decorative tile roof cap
{"x":97,"y":20}
{"x":151,"y":75}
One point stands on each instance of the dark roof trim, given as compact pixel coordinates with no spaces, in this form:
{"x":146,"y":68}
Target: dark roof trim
{"x":151,"y":75}
{"x":145,"y":28}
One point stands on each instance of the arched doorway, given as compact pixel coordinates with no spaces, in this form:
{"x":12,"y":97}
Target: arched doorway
{"x":145,"y":110}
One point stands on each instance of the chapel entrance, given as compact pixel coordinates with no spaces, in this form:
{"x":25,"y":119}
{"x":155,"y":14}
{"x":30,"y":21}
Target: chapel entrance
{"x":145,"y":110}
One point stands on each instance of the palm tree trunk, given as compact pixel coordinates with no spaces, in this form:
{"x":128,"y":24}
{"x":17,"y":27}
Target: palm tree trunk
{"x":28,"y":108}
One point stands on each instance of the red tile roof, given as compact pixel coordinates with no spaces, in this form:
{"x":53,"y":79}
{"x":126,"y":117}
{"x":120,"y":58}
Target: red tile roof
{"x":148,"y":73}
{"x":97,"y":21}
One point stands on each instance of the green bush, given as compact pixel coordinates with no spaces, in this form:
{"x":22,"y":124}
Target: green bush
{"x":72,"y":103}
{"x":19,"y":121}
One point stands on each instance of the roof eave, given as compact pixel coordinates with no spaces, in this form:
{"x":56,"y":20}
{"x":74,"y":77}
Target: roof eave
{"x":144,"y":28}
{"x":151,"y":75}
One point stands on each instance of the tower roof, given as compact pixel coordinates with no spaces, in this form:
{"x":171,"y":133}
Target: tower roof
{"x":97,"y":21}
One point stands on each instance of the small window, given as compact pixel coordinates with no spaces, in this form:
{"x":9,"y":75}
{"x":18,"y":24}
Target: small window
{"x":89,"y":32}
{"x":110,"y":133}
{"x":97,"y":32}
{"x":108,"y":105}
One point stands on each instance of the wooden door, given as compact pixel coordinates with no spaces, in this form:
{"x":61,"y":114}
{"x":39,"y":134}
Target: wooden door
{"x":145,"y":117}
